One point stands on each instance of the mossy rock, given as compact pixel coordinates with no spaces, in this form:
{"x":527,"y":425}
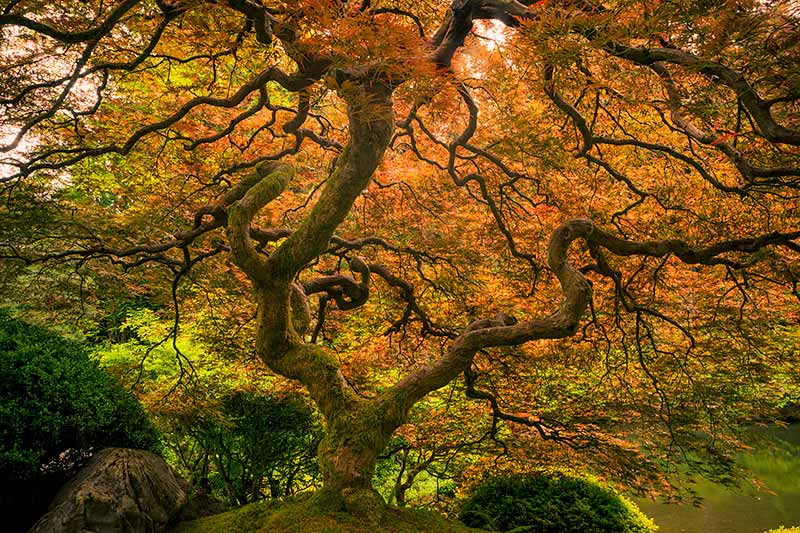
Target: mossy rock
{"x":302,"y":515}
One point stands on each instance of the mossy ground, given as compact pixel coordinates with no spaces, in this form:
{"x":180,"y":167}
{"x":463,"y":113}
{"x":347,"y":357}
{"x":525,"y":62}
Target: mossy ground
{"x":301,"y":515}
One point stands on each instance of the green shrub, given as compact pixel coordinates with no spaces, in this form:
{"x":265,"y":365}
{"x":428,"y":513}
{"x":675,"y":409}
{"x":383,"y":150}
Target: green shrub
{"x":257,"y":446}
{"x":551,"y":503}
{"x":783,"y":529}
{"x":56,"y":408}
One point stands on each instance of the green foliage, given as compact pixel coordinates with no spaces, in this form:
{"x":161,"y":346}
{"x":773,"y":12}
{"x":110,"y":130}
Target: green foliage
{"x":783,"y":529}
{"x":430,"y":471}
{"x":56,"y":408}
{"x":224,"y":427}
{"x":551,"y":503}
{"x":257,"y":446}
{"x":54,"y":401}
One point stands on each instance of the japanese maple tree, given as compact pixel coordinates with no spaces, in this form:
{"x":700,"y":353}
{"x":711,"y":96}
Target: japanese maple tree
{"x":418,"y":192}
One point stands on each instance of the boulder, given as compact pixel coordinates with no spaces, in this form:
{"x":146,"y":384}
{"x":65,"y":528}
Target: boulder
{"x":118,"y":491}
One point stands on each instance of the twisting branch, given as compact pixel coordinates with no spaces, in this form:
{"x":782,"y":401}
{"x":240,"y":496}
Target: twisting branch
{"x":402,"y":13}
{"x":750,"y":173}
{"x":576,"y":296}
{"x":256,"y":14}
{"x":42,"y":161}
{"x":103,"y":67}
{"x":714,"y":254}
{"x":303,"y":107}
{"x":754,"y":176}
{"x":263,"y":101}
{"x":272,"y":180}
{"x":457,"y":24}
{"x":566,"y":107}
{"x":462,"y":141}
{"x":343,"y":289}
{"x":66,"y":37}
{"x":412,"y":306}
{"x":656,"y":147}
{"x":498,"y":332}
{"x":717,"y":72}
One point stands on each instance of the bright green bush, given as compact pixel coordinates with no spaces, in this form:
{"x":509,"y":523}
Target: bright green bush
{"x":551,"y":503}
{"x":56,"y":407}
{"x":783,"y":529}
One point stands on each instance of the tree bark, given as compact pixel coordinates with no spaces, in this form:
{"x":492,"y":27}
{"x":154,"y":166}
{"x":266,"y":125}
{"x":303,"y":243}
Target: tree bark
{"x":348,"y":455}
{"x":355,"y":431}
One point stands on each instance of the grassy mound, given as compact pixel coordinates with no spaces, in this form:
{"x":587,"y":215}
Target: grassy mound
{"x":301,"y":515}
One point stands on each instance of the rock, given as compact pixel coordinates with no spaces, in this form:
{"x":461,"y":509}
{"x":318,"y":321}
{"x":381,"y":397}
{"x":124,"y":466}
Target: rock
{"x":118,"y":491}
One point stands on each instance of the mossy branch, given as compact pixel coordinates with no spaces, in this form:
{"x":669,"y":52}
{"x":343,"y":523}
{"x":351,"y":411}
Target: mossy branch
{"x":504,"y":330}
{"x":577,"y":293}
{"x":371,"y":126}
{"x":271,"y":180}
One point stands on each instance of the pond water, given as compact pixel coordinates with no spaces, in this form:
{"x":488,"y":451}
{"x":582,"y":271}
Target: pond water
{"x":745,"y":509}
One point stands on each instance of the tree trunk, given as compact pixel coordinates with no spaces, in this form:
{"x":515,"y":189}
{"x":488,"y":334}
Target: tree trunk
{"x":356,"y":430}
{"x":347,"y":457}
